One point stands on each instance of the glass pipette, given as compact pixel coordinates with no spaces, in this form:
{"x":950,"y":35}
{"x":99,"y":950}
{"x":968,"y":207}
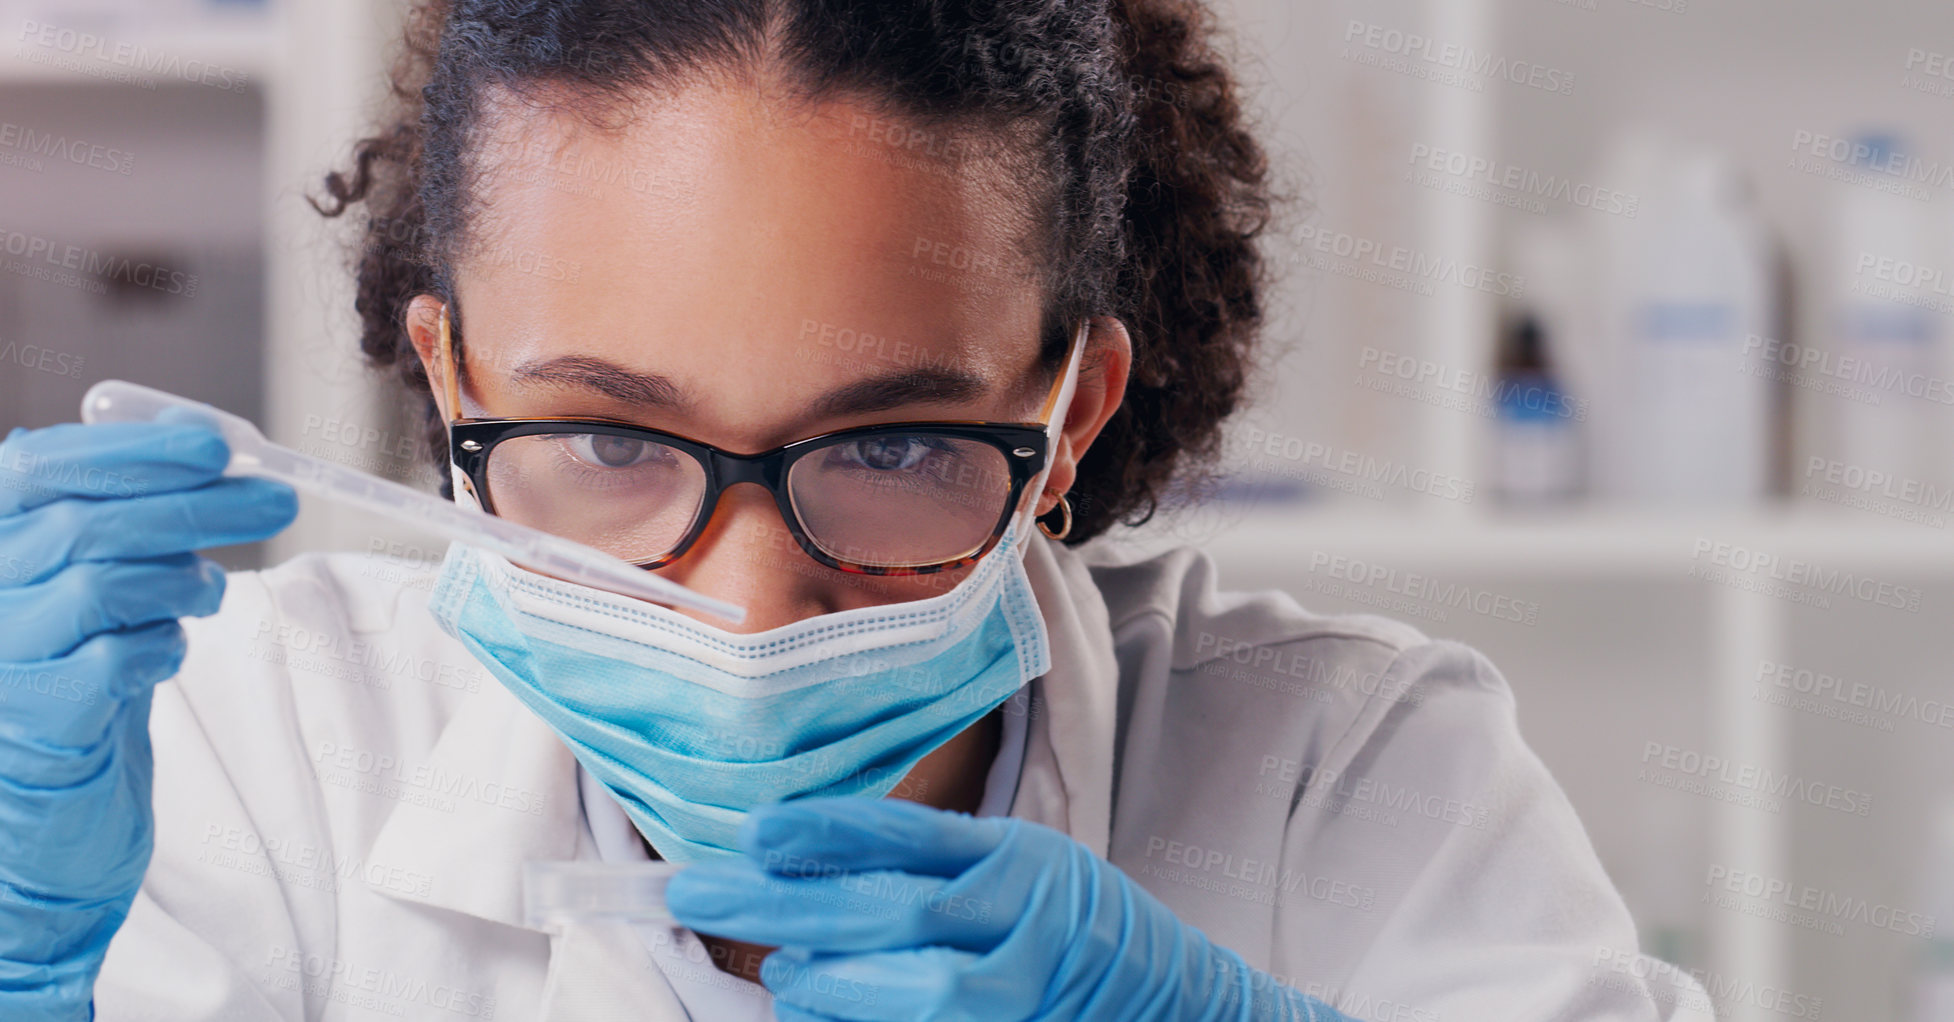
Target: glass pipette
{"x":252,"y":454}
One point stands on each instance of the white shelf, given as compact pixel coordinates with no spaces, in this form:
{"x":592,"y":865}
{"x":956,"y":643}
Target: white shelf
{"x":1585,"y":542}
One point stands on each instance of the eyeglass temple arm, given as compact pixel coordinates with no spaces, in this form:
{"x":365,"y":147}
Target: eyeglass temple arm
{"x":445,"y":364}
{"x":1056,"y":405}
{"x":1060,"y":399}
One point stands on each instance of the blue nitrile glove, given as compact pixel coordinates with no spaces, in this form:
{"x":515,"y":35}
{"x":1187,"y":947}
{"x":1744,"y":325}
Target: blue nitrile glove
{"x":97,"y":525}
{"x":887,"y":910}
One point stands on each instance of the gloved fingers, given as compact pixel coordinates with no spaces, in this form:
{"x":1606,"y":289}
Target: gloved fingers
{"x":930,"y":984}
{"x":870,"y":911}
{"x":66,"y":703}
{"x":90,"y":831}
{"x":227,"y":511}
{"x":49,"y":960}
{"x":52,"y":617}
{"x":821,"y":835}
{"x":106,"y":460}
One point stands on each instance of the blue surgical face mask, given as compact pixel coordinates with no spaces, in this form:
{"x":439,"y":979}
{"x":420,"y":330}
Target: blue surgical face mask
{"x":690,"y":727}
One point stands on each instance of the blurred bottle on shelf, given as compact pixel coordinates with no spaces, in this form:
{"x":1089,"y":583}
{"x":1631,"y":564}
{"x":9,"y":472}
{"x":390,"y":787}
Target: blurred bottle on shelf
{"x":1654,"y":308}
{"x":1887,"y":348}
{"x":1689,"y":292}
{"x":1537,"y":442}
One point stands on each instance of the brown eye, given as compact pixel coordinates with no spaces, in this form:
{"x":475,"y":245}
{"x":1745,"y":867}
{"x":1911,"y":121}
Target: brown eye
{"x":607,"y":451}
{"x":889,"y":453}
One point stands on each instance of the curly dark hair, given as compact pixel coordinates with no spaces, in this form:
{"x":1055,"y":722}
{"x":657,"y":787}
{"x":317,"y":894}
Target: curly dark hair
{"x":1151,"y":190}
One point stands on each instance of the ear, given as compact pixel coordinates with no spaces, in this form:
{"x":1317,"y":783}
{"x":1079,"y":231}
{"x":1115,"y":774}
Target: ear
{"x":423,"y":323}
{"x":1095,"y":397}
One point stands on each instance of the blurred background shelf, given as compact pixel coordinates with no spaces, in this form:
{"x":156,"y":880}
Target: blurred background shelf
{"x":1577,"y":541}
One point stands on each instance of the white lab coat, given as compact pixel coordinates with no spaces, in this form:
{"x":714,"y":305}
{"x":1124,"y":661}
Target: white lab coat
{"x":344,"y":799}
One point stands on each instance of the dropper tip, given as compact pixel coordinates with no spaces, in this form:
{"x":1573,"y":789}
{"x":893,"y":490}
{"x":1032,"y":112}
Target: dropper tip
{"x":729,"y":612}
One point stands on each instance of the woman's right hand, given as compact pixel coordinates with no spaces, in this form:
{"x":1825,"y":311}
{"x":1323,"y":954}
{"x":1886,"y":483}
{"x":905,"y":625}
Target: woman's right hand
{"x":98,"y":528}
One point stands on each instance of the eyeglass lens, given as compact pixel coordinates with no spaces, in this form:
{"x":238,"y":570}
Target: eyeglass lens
{"x":890,"y":499}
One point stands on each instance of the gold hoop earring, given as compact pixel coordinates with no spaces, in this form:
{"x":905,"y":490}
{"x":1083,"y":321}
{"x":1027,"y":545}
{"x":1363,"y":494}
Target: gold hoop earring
{"x":1065,"y":517}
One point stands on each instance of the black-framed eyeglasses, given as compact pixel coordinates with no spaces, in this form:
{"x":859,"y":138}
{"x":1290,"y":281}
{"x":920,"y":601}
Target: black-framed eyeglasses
{"x":906,"y":498}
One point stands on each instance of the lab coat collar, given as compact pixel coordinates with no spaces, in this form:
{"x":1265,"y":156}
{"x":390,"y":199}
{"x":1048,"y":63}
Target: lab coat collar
{"x":1068,"y":769}
{"x":474,"y":847}
{"x":599,"y":970}
{"x":515,"y":785}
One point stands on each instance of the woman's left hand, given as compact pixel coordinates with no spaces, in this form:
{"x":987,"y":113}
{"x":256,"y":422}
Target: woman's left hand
{"x":887,"y":910}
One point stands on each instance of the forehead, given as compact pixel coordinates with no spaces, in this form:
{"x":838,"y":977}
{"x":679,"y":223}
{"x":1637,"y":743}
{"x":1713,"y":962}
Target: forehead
{"x":725,"y":208}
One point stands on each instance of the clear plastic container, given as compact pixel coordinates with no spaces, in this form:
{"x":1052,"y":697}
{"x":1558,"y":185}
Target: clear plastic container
{"x":556,"y":895}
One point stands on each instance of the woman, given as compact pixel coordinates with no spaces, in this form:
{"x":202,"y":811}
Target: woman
{"x":815,"y":307}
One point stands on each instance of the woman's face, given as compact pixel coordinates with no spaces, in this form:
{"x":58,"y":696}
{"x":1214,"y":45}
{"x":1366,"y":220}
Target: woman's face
{"x":749,"y":272}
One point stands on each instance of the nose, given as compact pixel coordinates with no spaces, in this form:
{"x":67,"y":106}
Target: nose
{"x":747,"y":555}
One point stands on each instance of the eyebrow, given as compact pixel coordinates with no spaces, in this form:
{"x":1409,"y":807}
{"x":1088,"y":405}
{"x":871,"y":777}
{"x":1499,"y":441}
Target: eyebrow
{"x":584,"y":372}
{"x":875,"y":394}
